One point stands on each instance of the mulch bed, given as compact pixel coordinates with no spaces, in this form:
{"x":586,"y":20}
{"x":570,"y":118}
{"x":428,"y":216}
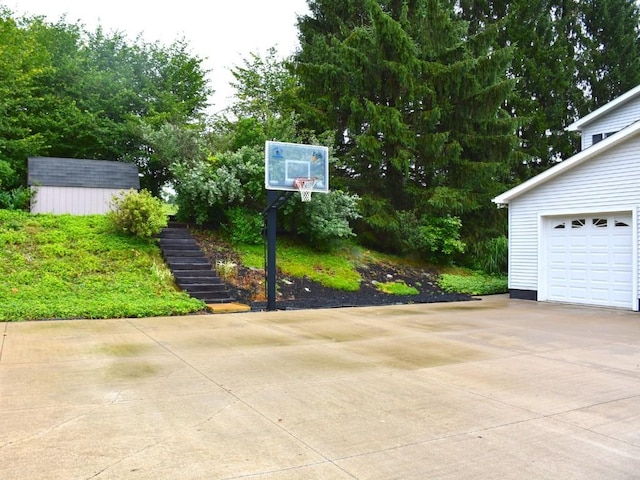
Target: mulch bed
{"x":301,"y":293}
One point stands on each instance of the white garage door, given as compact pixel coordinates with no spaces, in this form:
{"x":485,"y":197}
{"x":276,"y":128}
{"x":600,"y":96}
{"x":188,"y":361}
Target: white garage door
{"x":590,"y":260}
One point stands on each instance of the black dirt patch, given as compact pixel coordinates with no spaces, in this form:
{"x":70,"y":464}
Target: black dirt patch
{"x":248,"y":286}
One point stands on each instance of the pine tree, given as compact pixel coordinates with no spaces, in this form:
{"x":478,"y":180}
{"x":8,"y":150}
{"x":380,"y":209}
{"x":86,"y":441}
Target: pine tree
{"x":545,"y":37}
{"x":416,"y":103}
{"x":570,"y":58}
{"x":610,"y":59}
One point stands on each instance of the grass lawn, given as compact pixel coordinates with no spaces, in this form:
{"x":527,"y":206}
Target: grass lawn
{"x":67,"y":266}
{"x":64,"y":266}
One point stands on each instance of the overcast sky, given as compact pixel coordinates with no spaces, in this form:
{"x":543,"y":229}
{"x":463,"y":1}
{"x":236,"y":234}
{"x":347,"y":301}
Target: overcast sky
{"x":223,"y":32}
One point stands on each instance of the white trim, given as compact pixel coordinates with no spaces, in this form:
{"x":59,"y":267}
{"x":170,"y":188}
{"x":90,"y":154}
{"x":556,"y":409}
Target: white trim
{"x":587,"y":211}
{"x":542,"y":258}
{"x":577,"y":159}
{"x":542,"y":245}
{"x":634,"y":259}
{"x":630,"y":95}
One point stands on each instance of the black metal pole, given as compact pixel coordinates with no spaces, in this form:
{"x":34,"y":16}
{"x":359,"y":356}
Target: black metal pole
{"x":271,"y":249}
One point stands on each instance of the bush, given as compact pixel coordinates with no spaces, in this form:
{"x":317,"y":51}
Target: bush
{"x":244,"y":226}
{"x":379,"y":228}
{"x":491,"y":256}
{"x":205,"y":190}
{"x":16,"y":199}
{"x":137,"y":213}
{"x":435,"y":239}
{"x":324,"y":221}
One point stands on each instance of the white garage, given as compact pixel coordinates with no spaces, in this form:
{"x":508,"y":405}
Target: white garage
{"x":573,"y":230}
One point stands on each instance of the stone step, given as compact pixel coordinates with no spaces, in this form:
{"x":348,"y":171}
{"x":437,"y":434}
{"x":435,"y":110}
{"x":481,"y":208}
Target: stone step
{"x":198,"y":288}
{"x":185,"y":248}
{"x":187,"y":260}
{"x":175,"y":233}
{"x":195,"y":280}
{"x":181,"y":267}
{"x":176,"y":224}
{"x":191,"y":270}
{"x":178,"y":253}
{"x":212,"y":296}
{"x":217,"y":301}
{"x":178,"y":242}
{"x":201,"y":274}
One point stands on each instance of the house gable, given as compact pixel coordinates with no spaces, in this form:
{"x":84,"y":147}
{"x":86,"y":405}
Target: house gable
{"x":608,"y":119}
{"x":588,"y":155}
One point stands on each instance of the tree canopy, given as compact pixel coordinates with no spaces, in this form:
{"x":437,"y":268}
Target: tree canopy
{"x":569,"y":59}
{"x":430,"y":108}
{"x":415,"y":101}
{"x":72,"y":93}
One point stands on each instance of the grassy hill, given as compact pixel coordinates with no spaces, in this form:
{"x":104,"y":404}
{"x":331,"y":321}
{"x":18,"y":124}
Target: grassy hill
{"x":63,"y":266}
{"x":76,"y":267}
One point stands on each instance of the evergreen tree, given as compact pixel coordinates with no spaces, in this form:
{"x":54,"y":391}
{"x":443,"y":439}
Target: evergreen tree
{"x":609,"y":64}
{"x":545,"y":36}
{"x":570,"y":58}
{"x":416,"y":104}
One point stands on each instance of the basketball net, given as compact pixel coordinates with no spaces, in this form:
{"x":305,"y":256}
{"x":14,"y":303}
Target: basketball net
{"x":305,"y":187}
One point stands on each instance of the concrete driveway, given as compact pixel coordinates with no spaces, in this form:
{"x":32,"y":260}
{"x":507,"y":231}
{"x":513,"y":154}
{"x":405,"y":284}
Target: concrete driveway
{"x":492,"y":389}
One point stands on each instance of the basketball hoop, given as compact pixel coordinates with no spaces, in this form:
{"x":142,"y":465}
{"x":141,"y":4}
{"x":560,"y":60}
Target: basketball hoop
{"x":305,"y":187}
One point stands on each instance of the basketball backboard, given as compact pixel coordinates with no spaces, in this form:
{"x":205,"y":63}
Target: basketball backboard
{"x":285,"y":162}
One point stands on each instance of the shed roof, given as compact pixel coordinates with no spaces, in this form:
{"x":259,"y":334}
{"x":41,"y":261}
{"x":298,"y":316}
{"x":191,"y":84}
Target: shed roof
{"x":77,"y":172}
{"x":613,"y":104}
{"x":579,"y":158}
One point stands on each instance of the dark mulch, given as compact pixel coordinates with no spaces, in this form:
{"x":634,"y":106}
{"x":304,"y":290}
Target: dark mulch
{"x":301,"y":293}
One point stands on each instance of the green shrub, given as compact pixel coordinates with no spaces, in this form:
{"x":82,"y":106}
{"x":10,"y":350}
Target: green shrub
{"x":16,"y":199}
{"x":137,"y":213}
{"x":473,"y":284}
{"x":491,"y":256}
{"x":435,"y":239}
{"x":244,"y":226}
{"x":207,"y":189}
{"x":324,"y":221}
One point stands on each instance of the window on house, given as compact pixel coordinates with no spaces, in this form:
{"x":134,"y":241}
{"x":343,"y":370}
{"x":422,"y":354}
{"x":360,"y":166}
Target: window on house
{"x":620,"y":223}
{"x":559,"y":225}
{"x":598,"y":137}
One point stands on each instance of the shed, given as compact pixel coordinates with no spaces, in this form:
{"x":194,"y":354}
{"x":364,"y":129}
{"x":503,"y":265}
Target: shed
{"x":573,"y":229}
{"x":78,"y":186}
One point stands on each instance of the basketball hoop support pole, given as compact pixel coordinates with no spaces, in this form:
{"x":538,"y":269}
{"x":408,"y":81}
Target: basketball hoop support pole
{"x":272,"y":210}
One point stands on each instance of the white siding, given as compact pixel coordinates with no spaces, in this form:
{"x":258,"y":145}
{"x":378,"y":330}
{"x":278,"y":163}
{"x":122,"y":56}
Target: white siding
{"x":73,"y":200}
{"x":613,"y":121}
{"x":608,"y":183}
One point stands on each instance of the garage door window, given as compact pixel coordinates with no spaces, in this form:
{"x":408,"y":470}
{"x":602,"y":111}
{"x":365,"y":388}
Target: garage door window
{"x":578,"y":223}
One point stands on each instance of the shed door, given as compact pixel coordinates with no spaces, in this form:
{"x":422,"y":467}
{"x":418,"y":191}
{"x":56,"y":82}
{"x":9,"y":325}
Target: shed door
{"x":590,"y":260}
